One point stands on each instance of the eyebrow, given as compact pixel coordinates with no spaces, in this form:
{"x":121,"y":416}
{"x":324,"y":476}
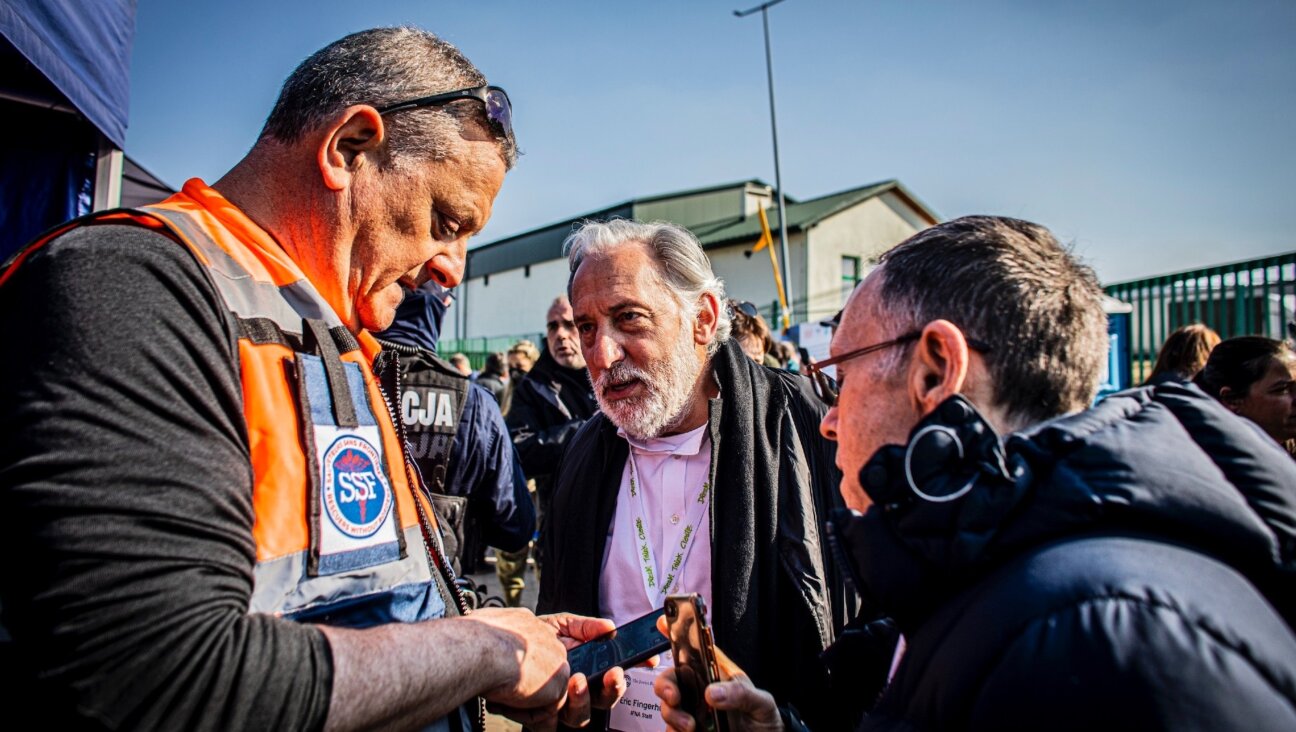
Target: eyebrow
{"x":623,"y":305}
{"x":627,"y":304}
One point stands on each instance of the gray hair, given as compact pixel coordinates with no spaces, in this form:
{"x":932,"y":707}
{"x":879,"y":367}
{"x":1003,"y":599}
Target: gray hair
{"x":1009,"y":283}
{"x":379,"y":67}
{"x":682,"y":265}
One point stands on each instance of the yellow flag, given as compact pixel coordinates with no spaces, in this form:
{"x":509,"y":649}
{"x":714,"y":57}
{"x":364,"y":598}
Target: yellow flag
{"x":766,"y":238}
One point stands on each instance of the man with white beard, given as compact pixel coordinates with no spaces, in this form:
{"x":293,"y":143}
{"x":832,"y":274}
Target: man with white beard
{"x":704,"y":472}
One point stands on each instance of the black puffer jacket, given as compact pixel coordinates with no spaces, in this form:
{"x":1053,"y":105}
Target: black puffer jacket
{"x":1128,"y":567}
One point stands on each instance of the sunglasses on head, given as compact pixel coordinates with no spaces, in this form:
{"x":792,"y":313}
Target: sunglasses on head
{"x":748,"y":309}
{"x":499,"y":111}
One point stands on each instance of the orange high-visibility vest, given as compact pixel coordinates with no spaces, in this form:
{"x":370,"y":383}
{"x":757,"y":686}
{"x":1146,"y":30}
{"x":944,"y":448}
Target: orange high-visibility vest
{"x":343,"y":533}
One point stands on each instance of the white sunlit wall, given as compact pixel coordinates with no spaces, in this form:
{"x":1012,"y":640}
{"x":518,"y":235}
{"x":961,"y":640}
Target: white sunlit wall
{"x":510,"y":302}
{"x":860,"y":232}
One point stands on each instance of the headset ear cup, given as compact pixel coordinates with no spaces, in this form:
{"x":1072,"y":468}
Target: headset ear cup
{"x":932,"y":465}
{"x":931,"y":452}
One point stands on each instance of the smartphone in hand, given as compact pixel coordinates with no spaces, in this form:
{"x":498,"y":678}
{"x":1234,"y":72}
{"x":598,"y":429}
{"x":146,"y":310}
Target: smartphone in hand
{"x":628,"y":645}
{"x":693,"y":647}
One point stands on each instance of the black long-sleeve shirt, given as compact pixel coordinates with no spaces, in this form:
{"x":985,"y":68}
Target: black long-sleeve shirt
{"x":126,"y":549}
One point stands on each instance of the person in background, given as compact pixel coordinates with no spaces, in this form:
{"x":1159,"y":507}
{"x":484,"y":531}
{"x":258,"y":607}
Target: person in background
{"x":546,"y":409}
{"x":789,"y":356}
{"x":510,"y":567}
{"x":494,"y":376}
{"x":521,"y":357}
{"x":460,"y":362}
{"x":1255,"y":377}
{"x":1184,"y":353}
{"x":1049,"y":565}
{"x":751,"y":332}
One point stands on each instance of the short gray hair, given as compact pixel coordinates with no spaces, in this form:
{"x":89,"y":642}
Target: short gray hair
{"x":379,"y":67}
{"x":1009,"y":283}
{"x":682,"y":265}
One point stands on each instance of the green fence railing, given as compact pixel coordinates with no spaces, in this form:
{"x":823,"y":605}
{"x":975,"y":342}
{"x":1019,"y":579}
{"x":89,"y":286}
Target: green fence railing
{"x":1256,"y":297}
{"x":477,"y":349}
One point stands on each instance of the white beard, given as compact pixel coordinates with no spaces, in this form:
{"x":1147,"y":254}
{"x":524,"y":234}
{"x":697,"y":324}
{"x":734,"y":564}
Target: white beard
{"x":669,"y":386}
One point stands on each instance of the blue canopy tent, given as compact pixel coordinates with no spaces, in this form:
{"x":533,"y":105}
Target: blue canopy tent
{"x":65,"y":92}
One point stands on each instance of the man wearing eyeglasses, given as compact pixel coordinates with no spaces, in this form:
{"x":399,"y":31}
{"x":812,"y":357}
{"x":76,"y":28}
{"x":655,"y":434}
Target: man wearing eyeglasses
{"x":703,"y":472}
{"x":1048,"y":566}
{"x":210,"y":517}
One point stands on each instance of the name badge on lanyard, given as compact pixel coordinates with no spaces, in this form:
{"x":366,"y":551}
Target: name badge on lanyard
{"x":639,"y":710}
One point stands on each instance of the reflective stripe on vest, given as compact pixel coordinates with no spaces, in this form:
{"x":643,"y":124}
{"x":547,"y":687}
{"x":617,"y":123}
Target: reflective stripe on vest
{"x":302,"y":570}
{"x":254,"y":286}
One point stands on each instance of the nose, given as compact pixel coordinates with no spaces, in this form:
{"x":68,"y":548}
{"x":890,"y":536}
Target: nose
{"x":602,"y":352}
{"x":828,"y":427}
{"x":447,"y":266}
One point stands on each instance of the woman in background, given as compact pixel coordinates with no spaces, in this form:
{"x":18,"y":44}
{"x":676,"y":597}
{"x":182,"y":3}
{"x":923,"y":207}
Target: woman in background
{"x":1184,"y":354}
{"x":751,"y":332}
{"x":1255,"y":377}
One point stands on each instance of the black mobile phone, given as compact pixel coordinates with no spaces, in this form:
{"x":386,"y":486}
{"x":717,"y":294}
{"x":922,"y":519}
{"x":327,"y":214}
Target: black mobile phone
{"x":628,"y":645}
{"x":695,"y":659}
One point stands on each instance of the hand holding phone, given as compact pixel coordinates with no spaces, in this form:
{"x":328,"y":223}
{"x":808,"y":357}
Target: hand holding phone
{"x":628,"y":645}
{"x":693,"y":648}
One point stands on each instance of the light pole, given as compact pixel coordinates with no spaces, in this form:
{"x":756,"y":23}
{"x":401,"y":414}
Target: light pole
{"x":778,"y":178}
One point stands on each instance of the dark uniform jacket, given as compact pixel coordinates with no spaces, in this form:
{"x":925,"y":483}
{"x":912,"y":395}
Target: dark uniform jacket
{"x":777,"y":598}
{"x":1128,"y":567}
{"x":483,"y":469}
{"x":544,"y":414}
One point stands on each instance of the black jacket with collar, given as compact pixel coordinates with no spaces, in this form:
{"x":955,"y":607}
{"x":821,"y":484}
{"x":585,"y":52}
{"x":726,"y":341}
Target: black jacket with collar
{"x":778,"y":599}
{"x":541,"y":422}
{"x":1128,"y":567}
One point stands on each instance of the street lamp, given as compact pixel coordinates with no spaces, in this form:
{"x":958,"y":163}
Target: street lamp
{"x":778,"y":178}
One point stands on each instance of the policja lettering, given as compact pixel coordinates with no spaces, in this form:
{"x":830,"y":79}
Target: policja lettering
{"x":432,"y":399}
{"x":428,"y":407}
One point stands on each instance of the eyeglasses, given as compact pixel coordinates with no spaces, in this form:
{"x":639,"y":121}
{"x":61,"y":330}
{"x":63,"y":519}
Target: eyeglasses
{"x":826,"y":389}
{"x":499,"y":111}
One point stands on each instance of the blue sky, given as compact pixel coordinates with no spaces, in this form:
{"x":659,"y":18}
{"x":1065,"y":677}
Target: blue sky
{"x":1155,"y":136}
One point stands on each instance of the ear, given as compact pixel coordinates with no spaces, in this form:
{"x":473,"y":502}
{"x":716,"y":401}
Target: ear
{"x":707,"y":320}
{"x":351,"y":140}
{"x":1230,"y":399}
{"x":939,"y":367}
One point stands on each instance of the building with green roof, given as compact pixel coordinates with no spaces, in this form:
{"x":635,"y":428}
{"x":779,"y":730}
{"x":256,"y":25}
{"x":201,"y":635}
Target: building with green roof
{"x":832,"y":239}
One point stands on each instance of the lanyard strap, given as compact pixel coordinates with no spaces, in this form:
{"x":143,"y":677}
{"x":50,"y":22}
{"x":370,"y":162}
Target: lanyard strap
{"x":650,"y":572}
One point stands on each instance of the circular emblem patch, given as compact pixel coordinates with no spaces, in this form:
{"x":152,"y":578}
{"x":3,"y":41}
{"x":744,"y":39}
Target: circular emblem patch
{"x":356,"y":494}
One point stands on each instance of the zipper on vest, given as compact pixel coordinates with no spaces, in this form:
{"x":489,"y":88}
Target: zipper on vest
{"x":387,"y":370}
{"x":386,"y":366}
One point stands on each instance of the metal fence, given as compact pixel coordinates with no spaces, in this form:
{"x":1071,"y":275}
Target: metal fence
{"x":1256,"y":297}
{"x":477,"y":349}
